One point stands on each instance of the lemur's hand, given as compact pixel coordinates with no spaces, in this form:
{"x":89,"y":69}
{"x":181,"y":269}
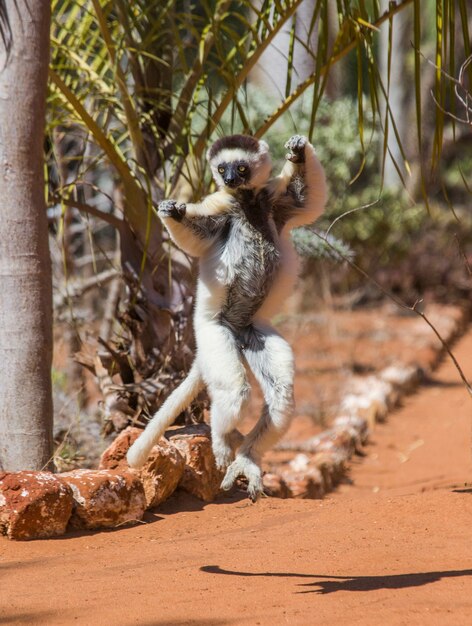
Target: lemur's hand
{"x":170,"y":208}
{"x":296,"y":146}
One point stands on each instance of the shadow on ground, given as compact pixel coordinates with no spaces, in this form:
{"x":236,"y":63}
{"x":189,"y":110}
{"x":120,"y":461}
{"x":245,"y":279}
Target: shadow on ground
{"x":179,"y":502}
{"x":26,"y":618}
{"x":351,"y":583}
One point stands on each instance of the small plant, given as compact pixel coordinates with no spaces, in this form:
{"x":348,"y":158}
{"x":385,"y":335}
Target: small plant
{"x":312,"y":244}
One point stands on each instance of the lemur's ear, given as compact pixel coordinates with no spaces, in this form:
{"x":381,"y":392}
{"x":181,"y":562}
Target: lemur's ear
{"x":263,"y":147}
{"x":208,"y":155}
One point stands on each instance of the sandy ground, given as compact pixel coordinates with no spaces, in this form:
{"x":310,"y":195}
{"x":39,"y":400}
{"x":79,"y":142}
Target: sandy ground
{"x":393,"y":547}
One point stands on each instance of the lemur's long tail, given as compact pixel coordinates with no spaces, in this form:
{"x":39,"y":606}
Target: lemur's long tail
{"x":178,"y":400}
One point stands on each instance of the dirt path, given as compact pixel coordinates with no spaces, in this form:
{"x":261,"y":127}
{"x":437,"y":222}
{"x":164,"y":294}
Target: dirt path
{"x":393,"y":548}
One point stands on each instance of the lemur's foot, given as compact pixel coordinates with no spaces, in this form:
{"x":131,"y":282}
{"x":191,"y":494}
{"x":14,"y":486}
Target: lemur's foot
{"x":170,"y":208}
{"x":296,"y":146}
{"x":244,"y":466}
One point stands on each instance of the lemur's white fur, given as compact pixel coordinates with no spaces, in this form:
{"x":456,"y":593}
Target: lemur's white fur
{"x":218,"y":362}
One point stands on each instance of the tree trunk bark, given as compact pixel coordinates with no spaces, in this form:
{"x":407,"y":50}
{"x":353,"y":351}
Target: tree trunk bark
{"x":400,"y":89}
{"x":25,"y":270}
{"x":271,"y":70}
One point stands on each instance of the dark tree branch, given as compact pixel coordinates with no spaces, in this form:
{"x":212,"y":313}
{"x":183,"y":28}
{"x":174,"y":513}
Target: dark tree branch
{"x":114,"y":221}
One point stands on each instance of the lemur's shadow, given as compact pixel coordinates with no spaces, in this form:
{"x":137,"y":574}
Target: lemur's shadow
{"x":351,"y":583}
{"x":181,"y":501}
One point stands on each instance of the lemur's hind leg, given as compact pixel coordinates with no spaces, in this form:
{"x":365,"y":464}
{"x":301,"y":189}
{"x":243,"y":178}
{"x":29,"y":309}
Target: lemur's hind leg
{"x":271,"y":359}
{"x":225,"y":375}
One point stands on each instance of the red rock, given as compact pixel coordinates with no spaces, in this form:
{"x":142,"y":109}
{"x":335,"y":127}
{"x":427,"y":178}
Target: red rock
{"x":341,"y":441}
{"x":33,"y":505}
{"x":299,"y":463}
{"x":114,"y":456}
{"x":105,"y":498}
{"x":201,"y":478}
{"x":306,"y":484}
{"x":311,"y":476}
{"x":275,"y":486}
{"x":161,"y":472}
{"x":357,"y":425}
{"x":332,"y":468}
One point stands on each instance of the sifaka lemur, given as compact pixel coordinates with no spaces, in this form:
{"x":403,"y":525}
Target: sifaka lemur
{"x":241,"y":235}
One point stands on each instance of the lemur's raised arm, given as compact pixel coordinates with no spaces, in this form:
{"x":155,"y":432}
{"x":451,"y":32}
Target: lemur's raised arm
{"x":299,"y":192}
{"x":247,"y":270}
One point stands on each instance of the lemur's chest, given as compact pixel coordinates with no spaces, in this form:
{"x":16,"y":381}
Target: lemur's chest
{"x":251,"y":240}
{"x":249,"y":261}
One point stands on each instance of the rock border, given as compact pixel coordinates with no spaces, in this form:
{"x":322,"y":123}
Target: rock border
{"x":36,"y":505}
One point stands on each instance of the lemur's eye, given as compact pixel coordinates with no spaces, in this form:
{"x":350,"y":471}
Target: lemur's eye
{"x":221,"y":170}
{"x":242,"y":168}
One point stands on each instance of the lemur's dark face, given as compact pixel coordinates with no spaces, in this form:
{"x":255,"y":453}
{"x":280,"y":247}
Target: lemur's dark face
{"x":234,"y":173}
{"x":238,"y":161}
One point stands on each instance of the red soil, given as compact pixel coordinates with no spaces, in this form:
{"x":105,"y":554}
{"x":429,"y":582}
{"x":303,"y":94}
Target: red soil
{"x":392,"y":548}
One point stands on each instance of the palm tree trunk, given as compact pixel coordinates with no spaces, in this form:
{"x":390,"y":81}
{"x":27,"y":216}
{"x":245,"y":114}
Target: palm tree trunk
{"x":25,"y":270}
{"x":398,"y":94}
{"x":271,"y":72}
